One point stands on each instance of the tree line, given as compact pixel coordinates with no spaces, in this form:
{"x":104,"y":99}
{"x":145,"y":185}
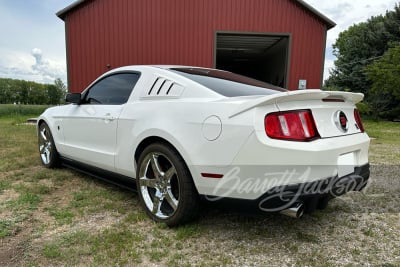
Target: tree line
{"x":28,"y":92}
{"x":368,"y":61}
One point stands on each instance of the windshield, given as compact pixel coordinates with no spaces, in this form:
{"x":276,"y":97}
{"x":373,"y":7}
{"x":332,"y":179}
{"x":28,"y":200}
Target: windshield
{"x":227,"y":83}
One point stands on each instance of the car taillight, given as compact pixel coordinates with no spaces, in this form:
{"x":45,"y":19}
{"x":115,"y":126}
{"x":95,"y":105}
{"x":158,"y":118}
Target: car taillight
{"x":357,"y":117}
{"x":297,"y":125}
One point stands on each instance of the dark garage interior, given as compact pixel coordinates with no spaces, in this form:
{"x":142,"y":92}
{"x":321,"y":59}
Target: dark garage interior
{"x":263,"y":57}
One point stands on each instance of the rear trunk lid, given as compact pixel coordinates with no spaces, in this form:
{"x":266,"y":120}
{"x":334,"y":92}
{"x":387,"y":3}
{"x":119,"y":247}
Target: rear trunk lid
{"x":333,"y":112}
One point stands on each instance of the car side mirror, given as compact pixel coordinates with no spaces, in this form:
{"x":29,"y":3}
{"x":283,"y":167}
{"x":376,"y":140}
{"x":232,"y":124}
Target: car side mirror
{"x":74,"y":98}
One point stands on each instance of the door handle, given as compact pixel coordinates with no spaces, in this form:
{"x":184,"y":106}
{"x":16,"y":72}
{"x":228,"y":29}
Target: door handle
{"x":108,"y":117}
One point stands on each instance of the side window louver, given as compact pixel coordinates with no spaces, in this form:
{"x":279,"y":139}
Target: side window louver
{"x":154,"y":84}
{"x":164,"y":87}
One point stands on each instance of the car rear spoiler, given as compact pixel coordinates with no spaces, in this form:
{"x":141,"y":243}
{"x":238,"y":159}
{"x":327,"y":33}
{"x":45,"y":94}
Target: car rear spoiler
{"x":314,"y":94}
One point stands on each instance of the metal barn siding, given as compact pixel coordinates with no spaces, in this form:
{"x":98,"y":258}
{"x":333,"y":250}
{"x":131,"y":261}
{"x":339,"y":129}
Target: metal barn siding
{"x":105,"y":34}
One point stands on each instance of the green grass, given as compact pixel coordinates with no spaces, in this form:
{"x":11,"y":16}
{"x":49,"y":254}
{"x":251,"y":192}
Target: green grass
{"x":306,"y":237}
{"x":385,"y":143}
{"x":65,"y":247}
{"x":69,"y":219}
{"x":115,"y":247}
{"x":188,"y":231}
{"x":91,"y":199}
{"x":384,"y":132}
{"x":51,"y":251}
{"x":4,"y":185}
{"x":61,"y":215}
{"x":25,"y":202}
{"x":18,"y":144}
{"x":135,"y":217}
{"x":6,"y":227}
{"x":21,"y":110}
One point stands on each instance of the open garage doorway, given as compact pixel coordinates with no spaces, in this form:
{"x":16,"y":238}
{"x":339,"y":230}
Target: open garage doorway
{"x":261,"y":56}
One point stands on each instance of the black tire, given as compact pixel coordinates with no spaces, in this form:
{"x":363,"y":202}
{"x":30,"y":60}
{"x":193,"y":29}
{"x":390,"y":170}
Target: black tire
{"x":47,"y":148}
{"x":165,"y":186}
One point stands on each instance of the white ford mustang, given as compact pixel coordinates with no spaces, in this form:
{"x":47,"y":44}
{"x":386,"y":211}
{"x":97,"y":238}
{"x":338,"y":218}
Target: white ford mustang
{"x":187,"y":133}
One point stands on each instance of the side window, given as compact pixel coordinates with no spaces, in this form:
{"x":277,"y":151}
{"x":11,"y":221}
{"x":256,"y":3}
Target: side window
{"x":112,"y":90}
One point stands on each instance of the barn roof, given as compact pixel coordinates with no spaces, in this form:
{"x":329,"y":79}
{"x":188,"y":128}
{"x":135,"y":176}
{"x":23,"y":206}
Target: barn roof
{"x":329,"y":23}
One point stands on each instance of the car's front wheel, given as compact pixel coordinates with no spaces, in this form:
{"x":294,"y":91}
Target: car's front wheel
{"x":165,"y":186}
{"x":47,"y":149}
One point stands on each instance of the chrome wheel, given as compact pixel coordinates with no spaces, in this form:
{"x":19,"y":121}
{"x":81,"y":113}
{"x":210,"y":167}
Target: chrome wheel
{"x":47,"y":149}
{"x":45,"y":145}
{"x":159,"y":185}
{"x":165,"y":186}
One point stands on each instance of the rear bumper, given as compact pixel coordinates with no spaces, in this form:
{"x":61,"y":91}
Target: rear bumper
{"x":263,"y":164}
{"x":313,"y":194}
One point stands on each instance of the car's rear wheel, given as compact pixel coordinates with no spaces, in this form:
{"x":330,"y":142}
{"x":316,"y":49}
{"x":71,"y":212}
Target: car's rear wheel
{"x":47,"y":149}
{"x":165,"y":186}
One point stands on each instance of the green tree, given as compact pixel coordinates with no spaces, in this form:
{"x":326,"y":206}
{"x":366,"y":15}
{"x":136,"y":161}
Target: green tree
{"x":28,"y":92}
{"x":53,"y":94}
{"x":392,"y":24}
{"x":356,"y":48}
{"x":385,"y":77}
{"x":60,"y":92}
{"x":6,"y":92}
{"x":359,"y":47}
{"x":37,"y":94}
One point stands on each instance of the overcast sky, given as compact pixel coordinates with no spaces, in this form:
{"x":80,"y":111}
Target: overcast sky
{"x":32,"y":44}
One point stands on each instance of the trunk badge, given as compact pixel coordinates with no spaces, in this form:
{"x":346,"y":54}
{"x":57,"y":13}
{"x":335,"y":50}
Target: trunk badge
{"x":341,"y":121}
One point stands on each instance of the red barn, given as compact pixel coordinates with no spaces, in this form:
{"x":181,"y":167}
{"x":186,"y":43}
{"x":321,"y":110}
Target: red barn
{"x":277,"y":41}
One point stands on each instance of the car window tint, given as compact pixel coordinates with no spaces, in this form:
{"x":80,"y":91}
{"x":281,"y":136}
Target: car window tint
{"x":227,"y":83}
{"x":112,"y":90}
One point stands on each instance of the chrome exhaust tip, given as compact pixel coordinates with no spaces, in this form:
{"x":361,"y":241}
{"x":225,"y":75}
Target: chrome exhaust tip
{"x":296,"y":211}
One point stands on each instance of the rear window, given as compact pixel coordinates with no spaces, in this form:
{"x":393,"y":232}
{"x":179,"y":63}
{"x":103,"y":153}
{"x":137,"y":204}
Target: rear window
{"x":227,"y":83}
